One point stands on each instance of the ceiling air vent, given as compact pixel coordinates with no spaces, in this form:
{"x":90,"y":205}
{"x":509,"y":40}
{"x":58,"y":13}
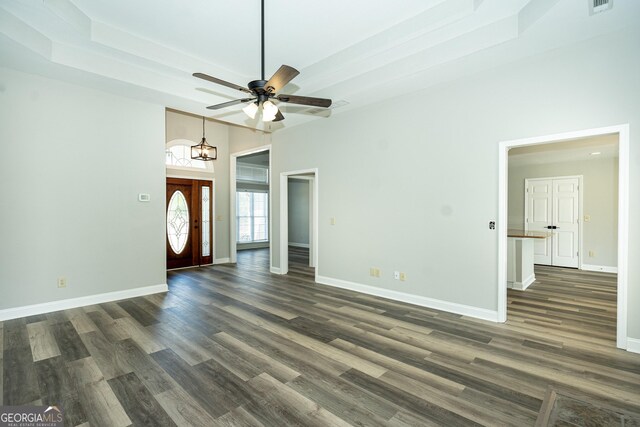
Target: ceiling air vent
{"x":597,"y":6}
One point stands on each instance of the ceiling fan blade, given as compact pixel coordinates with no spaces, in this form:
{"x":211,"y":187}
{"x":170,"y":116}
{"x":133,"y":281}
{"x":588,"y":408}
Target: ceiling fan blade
{"x":279,"y":117}
{"x":230,"y":103}
{"x":281,"y":77}
{"x":305,"y":100}
{"x":220,"y":82}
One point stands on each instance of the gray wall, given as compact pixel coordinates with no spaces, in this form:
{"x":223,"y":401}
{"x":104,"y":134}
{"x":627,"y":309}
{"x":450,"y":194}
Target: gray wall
{"x":600,"y":190}
{"x":73,"y":162}
{"x":298,"y":199}
{"x":447,"y":141}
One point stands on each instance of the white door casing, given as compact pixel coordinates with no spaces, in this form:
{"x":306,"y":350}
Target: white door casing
{"x":554,"y":202}
{"x":623,"y":216}
{"x":314,"y":180}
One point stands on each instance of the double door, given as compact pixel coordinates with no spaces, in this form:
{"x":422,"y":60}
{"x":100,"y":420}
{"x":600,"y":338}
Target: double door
{"x":552,"y":205}
{"x":189,"y":214}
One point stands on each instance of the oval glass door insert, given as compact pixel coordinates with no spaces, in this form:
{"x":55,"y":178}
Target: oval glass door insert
{"x":178,"y":222}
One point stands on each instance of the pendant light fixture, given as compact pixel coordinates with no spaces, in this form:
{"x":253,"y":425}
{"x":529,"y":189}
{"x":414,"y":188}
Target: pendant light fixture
{"x":204,"y":151}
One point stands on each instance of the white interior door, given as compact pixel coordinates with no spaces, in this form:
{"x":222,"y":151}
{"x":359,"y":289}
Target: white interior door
{"x":565,"y":218}
{"x":553,"y":206}
{"x":538,"y":216}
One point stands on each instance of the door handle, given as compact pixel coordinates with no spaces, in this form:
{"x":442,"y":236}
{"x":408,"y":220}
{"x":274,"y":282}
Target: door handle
{"x":552,"y":227}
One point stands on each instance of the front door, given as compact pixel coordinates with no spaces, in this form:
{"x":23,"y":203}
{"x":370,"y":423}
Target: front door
{"x":553,"y":206}
{"x":189,"y":236}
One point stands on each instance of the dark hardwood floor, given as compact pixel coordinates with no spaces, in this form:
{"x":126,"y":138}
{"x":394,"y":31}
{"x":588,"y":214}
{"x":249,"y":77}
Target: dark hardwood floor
{"x":233,"y":345}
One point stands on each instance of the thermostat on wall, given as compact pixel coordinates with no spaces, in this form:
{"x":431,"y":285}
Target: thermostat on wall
{"x":144,"y":197}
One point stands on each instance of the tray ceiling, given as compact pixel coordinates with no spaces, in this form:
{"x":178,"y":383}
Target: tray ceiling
{"x":356,"y":52}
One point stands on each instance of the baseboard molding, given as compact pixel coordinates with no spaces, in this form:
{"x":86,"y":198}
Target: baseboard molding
{"x":246,"y":246}
{"x":521,"y":286}
{"x":221,"y":261}
{"x":465,"y":310}
{"x":299,"y":245}
{"x":633,"y":345}
{"x":48,"y":307}
{"x":600,"y":268}
{"x":275,"y":270}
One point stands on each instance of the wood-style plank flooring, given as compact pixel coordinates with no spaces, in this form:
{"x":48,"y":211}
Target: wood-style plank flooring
{"x":233,"y":345}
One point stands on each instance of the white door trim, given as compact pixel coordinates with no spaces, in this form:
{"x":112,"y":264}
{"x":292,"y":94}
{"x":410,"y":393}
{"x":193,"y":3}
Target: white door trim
{"x":233,"y":160}
{"x":623,"y":215}
{"x":284,"y":219}
{"x":580,"y":208}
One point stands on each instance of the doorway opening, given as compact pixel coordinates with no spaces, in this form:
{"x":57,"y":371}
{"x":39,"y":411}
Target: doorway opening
{"x":299,"y":222}
{"x":250,"y":206}
{"x":618,"y":258}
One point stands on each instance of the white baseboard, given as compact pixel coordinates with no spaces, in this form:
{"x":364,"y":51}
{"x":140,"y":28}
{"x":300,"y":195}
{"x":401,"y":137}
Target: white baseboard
{"x":48,"y":307}
{"x":299,"y":245}
{"x":633,"y":345}
{"x":521,"y":286}
{"x":452,"y":307}
{"x":275,"y":270}
{"x":221,"y":261}
{"x":601,"y":268}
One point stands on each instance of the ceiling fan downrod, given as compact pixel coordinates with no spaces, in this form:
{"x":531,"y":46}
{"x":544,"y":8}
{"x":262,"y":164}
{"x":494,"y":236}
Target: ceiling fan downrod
{"x":262,"y":36}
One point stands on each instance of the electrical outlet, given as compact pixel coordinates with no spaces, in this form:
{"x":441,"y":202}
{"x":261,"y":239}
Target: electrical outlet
{"x":374,"y":272}
{"x":592,"y":254}
{"x":396,"y":275}
{"x":219,"y":218}
{"x":62,"y":282}
{"x":332,"y":221}
{"x":403,"y":276}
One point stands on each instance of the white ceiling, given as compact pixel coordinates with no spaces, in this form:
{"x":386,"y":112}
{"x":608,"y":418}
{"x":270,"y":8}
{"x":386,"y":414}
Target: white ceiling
{"x":356,"y":52}
{"x":581,"y":149}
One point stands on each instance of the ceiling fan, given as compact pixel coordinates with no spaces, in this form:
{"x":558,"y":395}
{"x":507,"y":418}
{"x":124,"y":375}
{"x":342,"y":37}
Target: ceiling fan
{"x":263,"y":91}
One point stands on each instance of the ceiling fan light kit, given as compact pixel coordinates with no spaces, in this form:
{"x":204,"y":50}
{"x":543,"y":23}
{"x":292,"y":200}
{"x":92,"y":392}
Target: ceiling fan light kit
{"x":264,"y":91}
{"x":251,"y":110}
{"x":269,"y":111}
